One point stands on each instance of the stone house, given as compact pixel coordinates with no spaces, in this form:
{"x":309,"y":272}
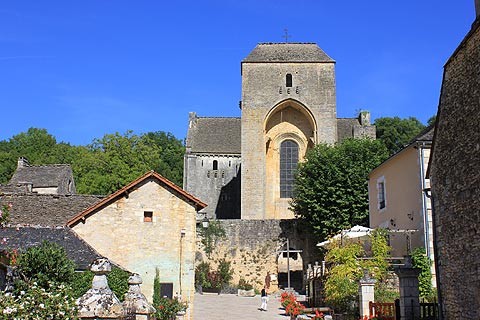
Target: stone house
{"x":243,"y":167}
{"x":44,"y":179}
{"x":398,"y":201}
{"x":148,"y":225}
{"x":455,"y":179}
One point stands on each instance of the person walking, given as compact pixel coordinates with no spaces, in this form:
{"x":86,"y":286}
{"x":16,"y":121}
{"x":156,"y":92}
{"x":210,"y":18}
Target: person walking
{"x":264,"y":295}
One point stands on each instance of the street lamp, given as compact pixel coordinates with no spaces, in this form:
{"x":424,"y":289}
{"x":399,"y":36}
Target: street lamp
{"x":205,"y":222}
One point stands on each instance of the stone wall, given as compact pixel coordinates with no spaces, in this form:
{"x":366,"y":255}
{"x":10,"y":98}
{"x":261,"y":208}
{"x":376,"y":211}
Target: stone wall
{"x":219,"y":188}
{"x":252,"y":247}
{"x":263,"y":89}
{"x":120,"y":232}
{"x":455,"y":180}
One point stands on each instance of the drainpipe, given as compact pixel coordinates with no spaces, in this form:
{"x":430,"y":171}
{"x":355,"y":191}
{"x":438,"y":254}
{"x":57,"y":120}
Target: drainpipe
{"x":435,"y":252}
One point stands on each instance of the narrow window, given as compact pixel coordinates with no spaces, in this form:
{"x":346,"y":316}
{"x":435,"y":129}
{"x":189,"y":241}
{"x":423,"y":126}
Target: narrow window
{"x":381,"y":194}
{"x":289,"y":80}
{"x":215,"y":165}
{"x":288,"y":164}
{"x":147,"y":216}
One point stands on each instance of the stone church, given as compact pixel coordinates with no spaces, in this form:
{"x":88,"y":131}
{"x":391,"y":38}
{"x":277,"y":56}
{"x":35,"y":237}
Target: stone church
{"x":243,"y":168}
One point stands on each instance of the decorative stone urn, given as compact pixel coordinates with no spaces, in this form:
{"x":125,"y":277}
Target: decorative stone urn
{"x":135,"y":300}
{"x":100,"y":302}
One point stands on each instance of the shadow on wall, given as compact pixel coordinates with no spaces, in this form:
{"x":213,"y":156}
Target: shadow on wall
{"x":228,"y":206}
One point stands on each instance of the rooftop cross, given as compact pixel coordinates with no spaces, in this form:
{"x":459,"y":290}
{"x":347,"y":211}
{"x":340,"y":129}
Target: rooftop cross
{"x":286,"y":36}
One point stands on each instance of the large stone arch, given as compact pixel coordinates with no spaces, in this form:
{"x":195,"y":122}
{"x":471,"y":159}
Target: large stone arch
{"x":288,"y":120}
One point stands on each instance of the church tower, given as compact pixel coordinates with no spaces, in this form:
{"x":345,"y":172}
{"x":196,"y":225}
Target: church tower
{"x":288,"y":105}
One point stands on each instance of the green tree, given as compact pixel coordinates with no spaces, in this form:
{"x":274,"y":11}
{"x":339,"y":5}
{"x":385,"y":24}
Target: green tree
{"x":331,"y":189}
{"x":46,"y":262}
{"x":431,"y":120}
{"x":395,"y":132}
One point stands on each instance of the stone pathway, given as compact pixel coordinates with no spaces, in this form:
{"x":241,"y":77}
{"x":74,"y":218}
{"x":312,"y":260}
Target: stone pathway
{"x":232,"y":307}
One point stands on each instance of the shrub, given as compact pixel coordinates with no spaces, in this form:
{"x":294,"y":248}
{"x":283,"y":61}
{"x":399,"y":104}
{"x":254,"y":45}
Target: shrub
{"x":244,"y":285}
{"x":201,"y":273}
{"x":167,"y":309}
{"x":46,"y":262}
{"x":422,"y":262}
{"x":117,"y":281}
{"x":36,"y":302}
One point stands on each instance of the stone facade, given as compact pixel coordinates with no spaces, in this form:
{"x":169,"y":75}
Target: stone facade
{"x":288,"y":94}
{"x":455,"y":178}
{"x":149,"y":224}
{"x":255,"y":247}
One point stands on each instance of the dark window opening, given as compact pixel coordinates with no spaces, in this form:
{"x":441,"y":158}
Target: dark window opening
{"x":381,"y":195}
{"x":288,"y":165}
{"x":147,"y":216}
{"x":289,"y":80}
{"x":215,"y":165}
{"x":166,"y":289}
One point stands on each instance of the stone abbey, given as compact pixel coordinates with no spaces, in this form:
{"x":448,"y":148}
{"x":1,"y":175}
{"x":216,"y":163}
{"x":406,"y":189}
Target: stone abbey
{"x":243,"y":168}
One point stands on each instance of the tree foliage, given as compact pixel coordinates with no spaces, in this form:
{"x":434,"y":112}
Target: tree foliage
{"x":422,"y":262}
{"x":346,"y":267}
{"x":395,"y":132}
{"x":46,"y":263}
{"x":103,"y":166}
{"x":331,"y":189}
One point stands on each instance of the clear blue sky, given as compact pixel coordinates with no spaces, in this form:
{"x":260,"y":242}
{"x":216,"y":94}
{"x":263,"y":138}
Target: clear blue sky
{"x":82,"y":69}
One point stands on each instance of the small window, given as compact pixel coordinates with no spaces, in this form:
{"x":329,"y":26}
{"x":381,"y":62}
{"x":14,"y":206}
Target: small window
{"x":381,"y":194}
{"x":166,"y":290}
{"x":215,"y":165}
{"x":147,"y":216}
{"x":289,"y":80}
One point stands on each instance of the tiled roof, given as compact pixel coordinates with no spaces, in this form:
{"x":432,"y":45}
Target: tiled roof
{"x":24,"y":237}
{"x":132,"y":185}
{"x":215,"y":135}
{"x":287,"y":52}
{"x":55,"y":175}
{"x":46,"y":209}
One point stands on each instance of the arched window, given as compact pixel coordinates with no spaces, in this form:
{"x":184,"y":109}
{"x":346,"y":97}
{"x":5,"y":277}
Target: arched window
{"x":288,"y":164}
{"x":289,"y":80}
{"x":215,"y":165}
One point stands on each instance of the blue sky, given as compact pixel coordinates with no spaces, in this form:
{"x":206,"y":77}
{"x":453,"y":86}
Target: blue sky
{"x":82,"y":69}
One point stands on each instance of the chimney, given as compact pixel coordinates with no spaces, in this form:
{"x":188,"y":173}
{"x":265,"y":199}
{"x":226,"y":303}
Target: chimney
{"x":22,"y":163}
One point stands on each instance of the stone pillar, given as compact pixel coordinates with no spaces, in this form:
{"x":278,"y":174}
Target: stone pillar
{"x":366,"y":294}
{"x":135,"y":300}
{"x":409,"y":292}
{"x":100,"y":302}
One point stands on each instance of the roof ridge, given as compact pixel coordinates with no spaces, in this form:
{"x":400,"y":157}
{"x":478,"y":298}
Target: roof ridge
{"x":218,"y":117}
{"x":269,"y":43}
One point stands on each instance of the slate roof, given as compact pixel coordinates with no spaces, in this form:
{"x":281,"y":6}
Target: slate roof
{"x":24,"y":237}
{"x":287,"y":52}
{"x":425,"y":135}
{"x":215,"y":135}
{"x":179,"y":192}
{"x":46,"y":209}
{"x":55,"y":175}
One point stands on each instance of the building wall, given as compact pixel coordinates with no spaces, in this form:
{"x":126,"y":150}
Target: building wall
{"x":455,"y":178}
{"x":263,"y":88}
{"x":118,"y":231}
{"x":220,"y":188}
{"x":253,"y":248}
{"x":403,"y":193}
